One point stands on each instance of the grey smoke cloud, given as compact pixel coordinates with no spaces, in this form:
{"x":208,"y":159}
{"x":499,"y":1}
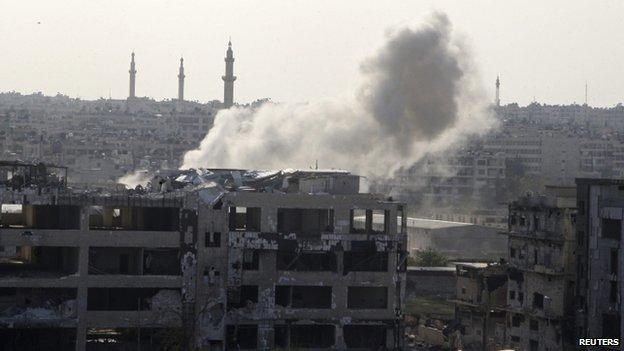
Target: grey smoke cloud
{"x":418,"y":94}
{"x":412,"y":83}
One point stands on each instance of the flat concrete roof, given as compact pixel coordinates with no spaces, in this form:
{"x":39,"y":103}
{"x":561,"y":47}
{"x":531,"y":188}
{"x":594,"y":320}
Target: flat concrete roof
{"x":423,"y":223}
{"x":430,"y":269}
{"x":471,"y":264}
{"x":426,"y":223}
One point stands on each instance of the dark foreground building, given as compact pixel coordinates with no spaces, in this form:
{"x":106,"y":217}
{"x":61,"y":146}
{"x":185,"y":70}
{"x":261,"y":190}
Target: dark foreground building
{"x":209,"y":259}
{"x":599,"y":259}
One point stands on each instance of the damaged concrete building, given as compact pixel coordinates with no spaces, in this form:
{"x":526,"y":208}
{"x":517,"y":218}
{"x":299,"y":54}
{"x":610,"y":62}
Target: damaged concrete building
{"x":542,"y":273}
{"x":203,"y":259}
{"x":480,"y":307}
{"x":599,"y":259}
{"x":536,"y":310}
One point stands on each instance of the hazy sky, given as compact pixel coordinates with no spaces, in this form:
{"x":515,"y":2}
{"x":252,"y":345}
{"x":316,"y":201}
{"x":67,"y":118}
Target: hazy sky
{"x":301,"y":50}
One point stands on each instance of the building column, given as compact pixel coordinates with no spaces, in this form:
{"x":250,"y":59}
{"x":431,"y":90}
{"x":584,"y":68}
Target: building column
{"x":339,"y":342}
{"x":83,"y":271}
{"x":266,"y":335}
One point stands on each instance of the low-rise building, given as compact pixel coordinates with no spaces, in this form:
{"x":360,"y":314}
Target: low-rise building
{"x":456,"y":240}
{"x":431,"y":282}
{"x":479,"y":306}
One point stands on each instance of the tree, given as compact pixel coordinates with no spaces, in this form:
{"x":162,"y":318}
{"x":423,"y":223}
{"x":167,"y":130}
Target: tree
{"x":428,"y":258}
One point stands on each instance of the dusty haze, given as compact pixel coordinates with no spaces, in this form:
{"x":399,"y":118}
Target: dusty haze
{"x":418,"y":93}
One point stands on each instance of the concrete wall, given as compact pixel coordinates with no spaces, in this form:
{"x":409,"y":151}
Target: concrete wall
{"x":430,"y":284}
{"x":460,"y":242}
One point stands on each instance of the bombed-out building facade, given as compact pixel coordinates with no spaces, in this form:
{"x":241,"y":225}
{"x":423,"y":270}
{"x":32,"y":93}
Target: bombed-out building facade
{"x":527,"y":300}
{"x":542,"y":270}
{"x":599,"y":259}
{"x":200,"y":259}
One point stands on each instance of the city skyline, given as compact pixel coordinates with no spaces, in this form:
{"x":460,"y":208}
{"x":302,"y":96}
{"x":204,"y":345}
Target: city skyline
{"x":310,"y":57}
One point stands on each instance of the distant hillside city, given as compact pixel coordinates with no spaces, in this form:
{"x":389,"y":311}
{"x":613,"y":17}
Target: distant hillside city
{"x":534,"y":146}
{"x":226,"y":259}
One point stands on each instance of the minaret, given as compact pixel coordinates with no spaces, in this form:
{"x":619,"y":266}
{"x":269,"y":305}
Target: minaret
{"x":228,"y":78}
{"x":181,"y":81}
{"x":132,"y":77}
{"x":497,"y":101}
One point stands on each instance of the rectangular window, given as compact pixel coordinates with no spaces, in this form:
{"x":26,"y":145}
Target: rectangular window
{"x":251,"y":260}
{"x":246,"y":295}
{"x":301,"y":336}
{"x":242,"y":336}
{"x":119,"y":299}
{"x":306,"y":261}
{"x":512,"y":295}
{"x":538,"y":301}
{"x":533,"y":345}
{"x":614,"y":261}
{"x":213,"y":239}
{"x":535,"y":256}
{"x":359,"y":221}
{"x":55,"y":217}
{"x":613,"y":292}
{"x":611,"y":228}
{"x":516,"y":319}
{"x":134,"y":218}
{"x":317,"y":297}
{"x":306,"y":223}
{"x":380,"y":222}
{"x":536,"y":223}
{"x":244,"y":219}
{"x":13,"y":216}
{"x":367,"y":297}
{"x":365,"y":261}
{"x":369,"y":337}
{"x":534,"y":324}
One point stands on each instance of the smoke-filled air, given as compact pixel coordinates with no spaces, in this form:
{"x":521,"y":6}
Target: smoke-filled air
{"x":418,"y":94}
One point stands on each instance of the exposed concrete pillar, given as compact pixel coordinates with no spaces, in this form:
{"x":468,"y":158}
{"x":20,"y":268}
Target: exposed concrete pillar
{"x":107,"y":217}
{"x":188,"y":247}
{"x":28,"y":211}
{"x":268,"y":221}
{"x":340,"y":343}
{"x":126,"y":217}
{"x":391,"y":224}
{"x":342,"y":222}
{"x":266,"y":334}
{"x":369,"y":221}
{"x":339,"y":262}
{"x":83,"y":271}
{"x":81,"y":337}
{"x":141,"y":259}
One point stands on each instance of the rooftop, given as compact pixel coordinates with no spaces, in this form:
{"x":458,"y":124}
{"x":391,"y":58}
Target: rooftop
{"x":286,"y":181}
{"x":433,"y":223}
{"x":423,"y":223}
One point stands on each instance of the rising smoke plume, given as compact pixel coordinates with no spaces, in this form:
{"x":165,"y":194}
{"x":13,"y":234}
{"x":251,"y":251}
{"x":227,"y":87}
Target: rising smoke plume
{"x":135,"y":178}
{"x":418,"y":94}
